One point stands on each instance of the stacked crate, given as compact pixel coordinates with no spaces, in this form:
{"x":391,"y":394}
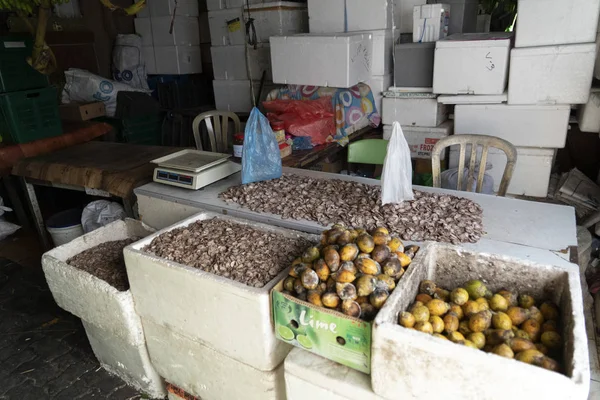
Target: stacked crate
{"x":29,"y":107}
{"x":240,"y":61}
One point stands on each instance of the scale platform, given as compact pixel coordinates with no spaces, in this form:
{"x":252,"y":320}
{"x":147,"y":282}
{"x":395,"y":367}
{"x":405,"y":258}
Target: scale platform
{"x":193,"y":169}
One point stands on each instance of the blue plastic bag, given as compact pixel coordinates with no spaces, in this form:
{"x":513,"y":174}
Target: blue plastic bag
{"x":261,"y":159}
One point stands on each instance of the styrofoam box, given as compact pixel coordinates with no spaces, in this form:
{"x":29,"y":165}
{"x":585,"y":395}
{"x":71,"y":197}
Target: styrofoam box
{"x":236,"y":96}
{"x":270,"y":19}
{"x":206,"y":308}
{"x":414,"y":64}
{"x":149,"y":59}
{"x":304,"y":379}
{"x":369,"y":15}
{"x":378,"y":85}
{"x":143,"y":27}
{"x":403,"y":14}
{"x":420,"y":139}
{"x":430,"y":22}
{"x":551,"y":74}
{"x":473,"y":99}
{"x":214,"y":5}
{"x":335,"y":60}
{"x":404,"y":361}
{"x":531,"y":175}
{"x":206,"y":373}
{"x":144,"y":12}
{"x":597,"y":63}
{"x":165,"y":8}
{"x":523,"y":126}
{"x":414,"y":111}
{"x":204,"y":28}
{"x":472,"y":63}
{"x":464,"y":16}
{"x":229,"y":62}
{"x":588,"y":115}
{"x":383,"y":46}
{"x":186,"y":31}
{"x":178,"y":60}
{"x":115,"y":329}
{"x":326,"y":16}
{"x":551,"y":22}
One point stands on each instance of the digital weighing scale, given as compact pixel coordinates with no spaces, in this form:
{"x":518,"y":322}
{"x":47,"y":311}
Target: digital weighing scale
{"x":193,"y":169}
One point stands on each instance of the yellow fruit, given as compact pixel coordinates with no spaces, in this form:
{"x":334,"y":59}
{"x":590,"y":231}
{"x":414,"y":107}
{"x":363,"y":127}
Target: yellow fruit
{"x":314,"y":297}
{"x":498,"y":336}
{"x":549,"y":311}
{"x":310,"y":255}
{"x":451,"y":322}
{"x":552,"y":340}
{"x":288,"y":283}
{"x":421,"y":313}
{"x":424,"y":327}
{"x":297,"y":269}
{"x":385,"y":282}
{"x":542,"y":348}
{"x":353,"y":234}
{"x":380,"y":253}
{"x":298,"y":287}
{"x":483,"y":304}
{"x":470,"y":344}
{"x":365,"y":243}
{"x":368,"y":266}
{"x":344,"y":276}
{"x":470,"y":308}
{"x":415,"y":305}
{"x":520,"y":333}
{"x":533,"y":329}
{"x":439,"y":336}
{"x":330,"y":300}
{"x":362,"y":299}
{"x":510,"y":297}
{"x":459,"y":296}
{"x":392,"y":268}
{"x":349,"y":252}
{"x":550,"y":326}
{"x":396,"y":245}
{"x":503,"y":350}
{"x":424,"y":298}
{"x":346,"y":291}
{"x":406,"y":319}
{"x":517,"y":315}
{"x":476,"y":289}
{"x":437,"y":323}
{"x":378,"y":298}
{"x":381,"y":238}
{"x":344,"y":238}
{"x":380,"y":230}
{"x":478,"y":339}
{"x":437,"y":307}
{"x":533,"y":357}
{"x":456,"y":309}
{"x":463,"y":327}
{"x":518,"y":345}
{"x":351,"y":308}
{"x":322,"y":270}
{"x":526,"y":301}
{"x":332,"y":258}
{"x":365,"y":285}
{"x":404,"y":259}
{"x":297,"y":261}
{"x":456,"y":337}
{"x":501,"y":321}
{"x":427,"y":287}
{"x":536,"y":314}
{"x":498,"y":303}
{"x":480,"y":321}
{"x":550,"y":364}
{"x":441,"y":294}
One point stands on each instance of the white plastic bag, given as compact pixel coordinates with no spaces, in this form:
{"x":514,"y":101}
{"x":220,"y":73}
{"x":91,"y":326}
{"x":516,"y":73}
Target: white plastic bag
{"x":83,"y":86}
{"x":128,"y":65}
{"x":396,"y":179}
{"x":6,"y":228}
{"x":100,"y":213}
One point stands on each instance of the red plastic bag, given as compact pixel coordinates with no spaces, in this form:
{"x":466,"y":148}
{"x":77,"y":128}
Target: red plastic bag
{"x":313,"y":118}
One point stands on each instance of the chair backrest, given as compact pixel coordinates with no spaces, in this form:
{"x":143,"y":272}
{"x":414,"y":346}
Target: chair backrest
{"x":475,"y":141}
{"x":367,"y":151}
{"x":217,"y":127}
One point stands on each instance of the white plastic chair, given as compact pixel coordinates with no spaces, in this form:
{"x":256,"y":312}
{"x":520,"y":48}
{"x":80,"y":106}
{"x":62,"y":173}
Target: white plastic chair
{"x":217,"y":127}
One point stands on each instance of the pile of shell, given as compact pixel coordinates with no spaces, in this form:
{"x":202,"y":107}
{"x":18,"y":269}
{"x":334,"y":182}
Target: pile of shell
{"x":438,"y":217}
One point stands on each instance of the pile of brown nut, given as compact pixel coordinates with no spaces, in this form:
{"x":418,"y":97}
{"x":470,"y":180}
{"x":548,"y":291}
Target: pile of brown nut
{"x":229,"y":249}
{"x":431,"y":216}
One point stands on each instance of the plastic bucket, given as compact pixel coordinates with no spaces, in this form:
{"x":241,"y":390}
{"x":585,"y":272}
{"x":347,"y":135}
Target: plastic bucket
{"x":65,"y":226}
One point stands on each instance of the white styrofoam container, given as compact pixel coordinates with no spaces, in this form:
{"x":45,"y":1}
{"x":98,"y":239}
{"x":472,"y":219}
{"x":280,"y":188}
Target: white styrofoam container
{"x":143,"y":27}
{"x":165,"y":8}
{"x":227,"y":27}
{"x":473,"y":99}
{"x":430,"y":22}
{"x":403,"y":14}
{"x":229,"y":62}
{"x":115,"y":329}
{"x":206,"y":373}
{"x":597,"y":63}
{"x":334,"y":60}
{"x":551,"y":74}
{"x":214,"y":5}
{"x":378,"y":85}
{"x":383,"y":48}
{"x":404,"y":361}
{"x":531,"y":175}
{"x":207,"y":308}
{"x":149,"y":59}
{"x":326,"y":16}
{"x":178,"y":60}
{"x":464,"y":16}
{"x":369,"y":15}
{"x":305,"y":379}
{"x":204,"y":27}
{"x":414,"y":111}
{"x":523,"y":126}
{"x":421,"y":139}
{"x":552,"y":22}
{"x":236,"y":96}
{"x":588,"y":115}
{"x":186,"y":31}
{"x":472,"y":63}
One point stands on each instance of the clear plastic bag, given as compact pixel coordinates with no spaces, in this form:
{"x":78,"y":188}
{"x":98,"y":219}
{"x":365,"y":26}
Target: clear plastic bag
{"x":100,"y":213}
{"x":261,"y":159}
{"x":396,"y":179}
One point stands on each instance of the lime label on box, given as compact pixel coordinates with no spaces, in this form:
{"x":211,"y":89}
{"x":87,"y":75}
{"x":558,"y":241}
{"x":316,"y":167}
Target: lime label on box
{"x":234,"y":25}
{"x":338,"y":338}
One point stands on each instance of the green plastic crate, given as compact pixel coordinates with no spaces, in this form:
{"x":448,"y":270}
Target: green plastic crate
{"x":143,"y":130}
{"x":29,"y":115}
{"x":15,"y":73}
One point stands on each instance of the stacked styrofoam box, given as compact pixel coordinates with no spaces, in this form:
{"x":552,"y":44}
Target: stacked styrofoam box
{"x":588,"y":115}
{"x":421,"y":139}
{"x":109,"y":318}
{"x":431,"y":22}
{"x":234,"y":62}
{"x":463,"y":16}
{"x":337,"y":16}
{"x":209,"y":335}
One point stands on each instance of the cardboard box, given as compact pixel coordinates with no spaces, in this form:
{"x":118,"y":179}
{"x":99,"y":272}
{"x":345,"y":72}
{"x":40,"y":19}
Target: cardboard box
{"x":81,"y":112}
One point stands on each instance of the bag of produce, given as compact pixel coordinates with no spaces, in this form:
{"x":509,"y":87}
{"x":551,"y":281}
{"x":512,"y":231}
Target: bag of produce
{"x":261,"y":159}
{"x":396,"y":179}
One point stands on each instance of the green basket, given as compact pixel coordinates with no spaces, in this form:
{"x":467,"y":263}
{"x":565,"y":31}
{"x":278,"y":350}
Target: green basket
{"x":15,"y":73}
{"x":29,"y":115}
{"x":143,"y":130}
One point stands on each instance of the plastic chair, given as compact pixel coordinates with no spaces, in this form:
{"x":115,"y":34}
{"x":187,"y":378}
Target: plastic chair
{"x":474,"y":141}
{"x":217,"y":127}
{"x":367,"y":151}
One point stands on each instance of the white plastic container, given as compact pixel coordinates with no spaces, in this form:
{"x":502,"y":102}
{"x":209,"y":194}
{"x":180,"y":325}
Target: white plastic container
{"x":404,"y":361}
{"x":552,"y":22}
{"x":588,"y":115}
{"x":186,"y":31}
{"x":383,"y":47}
{"x":551,"y":74}
{"x":165,"y":8}
{"x":414,"y":111}
{"x":464,"y":16}
{"x":205,"y":308}
{"x":111,"y":323}
{"x":369,"y":15}
{"x":149,"y":59}
{"x":64,"y":226}
{"x":206,"y":373}
{"x":378,"y":85}
{"x":236,"y":96}
{"x":531,"y":175}
{"x":523,"y":126}
{"x":472,"y":63}
{"x":178,"y":60}
{"x":420,"y":139}
{"x":430,"y":22}
{"x":403,"y":14}
{"x":326,"y":16}
{"x":334,"y":60}
{"x":227,"y":27}
{"x":214,"y":5}
{"x":229,"y":62}
{"x":143,"y":27}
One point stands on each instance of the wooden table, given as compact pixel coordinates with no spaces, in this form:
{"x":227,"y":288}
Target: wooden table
{"x":98,"y":168}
